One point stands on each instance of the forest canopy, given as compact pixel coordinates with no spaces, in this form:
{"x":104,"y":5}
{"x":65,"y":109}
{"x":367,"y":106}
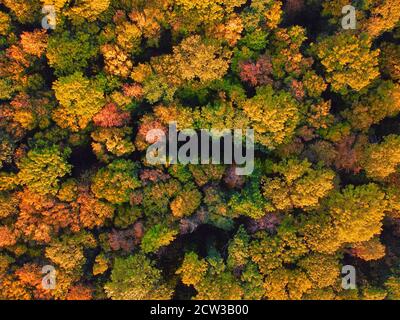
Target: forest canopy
{"x":85,"y":84}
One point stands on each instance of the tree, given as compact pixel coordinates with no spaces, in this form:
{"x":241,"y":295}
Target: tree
{"x":92,"y":212}
{"x":5,"y":23}
{"x":116,"y":181}
{"x":369,"y":250}
{"x":26,"y":11}
{"x":238,"y":250}
{"x":42,"y":169}
{"x":385,"y":14}
{"x":193,"y":269}
{"x":68,"y":252}
{"x":392,"y":285}
{"x":322,"y":270}
{"x":273,"y":115}
{"x":348,"y":60}
{"x":111,"y":116}
{"x":109,"y":142}
{"x":34,"y":43}
{"x":68,"y":53}
{"x":381,"y":103}
{"x":81,"y":11}
{"x":136,"y":278}
{"x":381,"y":160}
{"x":299,"y":185}
{"x":80,"y":99}
{"x":156,"y":237}
{"x":79,"y":292}
{"x":357,"y":212}
{"x":186,"y":202}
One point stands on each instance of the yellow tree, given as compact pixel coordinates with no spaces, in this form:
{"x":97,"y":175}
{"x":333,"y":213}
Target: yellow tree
{"x":80,"y":99}
{"x":357,"y":212}
{"x":348,"y":60}
{"x":384,"y":16}
{"x":273,"y":115}
{"x":381,"y":160}
{"x":298,"y":185}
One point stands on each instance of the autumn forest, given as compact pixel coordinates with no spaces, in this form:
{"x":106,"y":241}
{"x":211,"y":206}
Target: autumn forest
{"x":84,"y":214}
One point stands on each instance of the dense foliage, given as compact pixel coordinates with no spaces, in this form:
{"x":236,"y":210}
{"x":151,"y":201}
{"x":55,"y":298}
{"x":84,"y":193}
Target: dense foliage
{"x":77,"y":102}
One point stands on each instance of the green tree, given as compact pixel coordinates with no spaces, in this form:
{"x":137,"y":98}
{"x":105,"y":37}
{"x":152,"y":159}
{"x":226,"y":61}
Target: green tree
{"x":42,"y":168}
{"x":157,"y":237}
{"x":136,"y":278}
{"x":116,"y":181}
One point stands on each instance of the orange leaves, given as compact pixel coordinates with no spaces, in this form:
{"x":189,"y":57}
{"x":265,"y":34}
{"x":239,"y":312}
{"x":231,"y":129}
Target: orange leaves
{"x":93,"y":212}
{"x":79,"y":292}
{"x":7,"y":237}
{"x":34,"y":43}
{"x":41,"y":216}
{"x":111,"y":116}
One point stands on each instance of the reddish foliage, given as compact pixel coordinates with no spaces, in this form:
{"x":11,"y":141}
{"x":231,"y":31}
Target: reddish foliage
{"x":145,"y":135}
{"x":136,"y":198}
{"x":306,"y":133}
{"x":119,"y":16}
{"x":126,"y":239}
{"x":294,"y":7}
{"x":30,"y":275}
{"x":79,"y":292}
{"x":256,"y":73}
{"x":42,"y":216}
{"x":133,"y":91}
{"x":347,"y":156}
{"x":111,"y":116}
{"x":156,"y":175}
{"x":138,"y":230}
{"x":34,"y":43}
{"x":269,"y":222}
{"x":231,"y":179}
{"x":297,"y":90}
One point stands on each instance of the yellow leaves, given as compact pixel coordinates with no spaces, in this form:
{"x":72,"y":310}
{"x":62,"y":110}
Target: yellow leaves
{"x":273,"y":15}
{"x":88,"y":9}
{"x":141,"y":72}
{"x":185,"y":203}
{"x":79,"y":99}
{"x":348,"y":60}
{"x":183,"y":117}
{"x":197,"y":59}
{"x":385,"y":14}
{"x":284,"y":284}
{"x":5,"y":22}
{"x":357,"y":212}
{"x":100,"y":265}
{"x":229,"y":31}
{"x":322,"y":270}
{"x":314,"y":84}
{"x":117,"y":61}
{"x":128,"y":36}
{"x":114,"y":140}
{"x":320,"y":234}
{"x":381,"y":160}
{"x":273,"y":115}
{"x":192,"y":269}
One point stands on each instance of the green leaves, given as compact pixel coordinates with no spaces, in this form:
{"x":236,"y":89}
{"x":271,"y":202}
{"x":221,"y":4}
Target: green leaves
{"x":116,"y":181}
